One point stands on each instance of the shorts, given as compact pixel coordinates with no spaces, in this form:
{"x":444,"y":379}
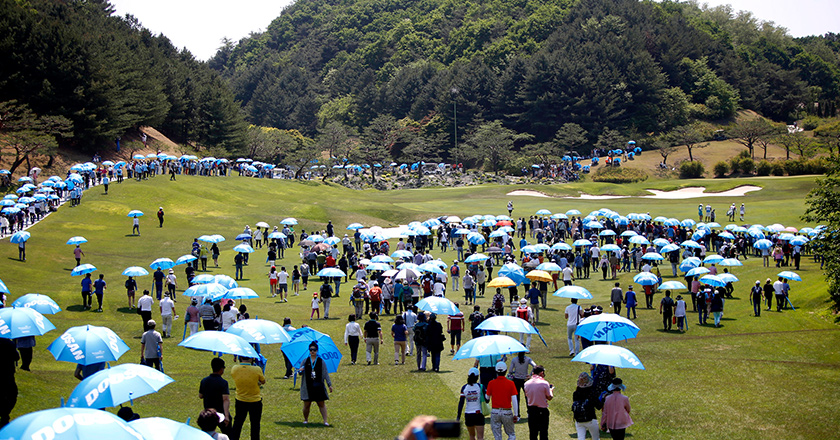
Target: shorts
{"x":129,"y":293}
{"x":283,"y":287}
{"x":305,"y":280}
{"x":475,"y":419}
{"x":272,"y":282}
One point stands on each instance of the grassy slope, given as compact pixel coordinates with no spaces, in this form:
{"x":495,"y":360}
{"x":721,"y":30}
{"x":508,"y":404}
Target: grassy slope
{"x":708,"y":382}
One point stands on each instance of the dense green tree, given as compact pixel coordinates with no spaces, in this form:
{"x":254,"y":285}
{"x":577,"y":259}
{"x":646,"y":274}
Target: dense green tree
{"x":749,"y":132}
{"x":27,"y":134}
{"x":690,"y":136}
{"x":824,"y":208}
{"x":492,"y":144}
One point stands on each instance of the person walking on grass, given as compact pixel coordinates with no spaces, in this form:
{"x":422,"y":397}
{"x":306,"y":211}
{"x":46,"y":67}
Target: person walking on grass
{"x":248,"y":378}
{"x":573,"y":314}
{"x":616,"y":413}
{"x":472,"y":395}
{"x":501,"y":392}
{"x":755,"y":298}
{"x":130,"y":289}
{"x":78,"y":254}
{"x":400,"y":334}
{"x":151,"y":349}
{"x":99,"y":289}
{"x":215,"y":392}
{"x":373,"y":339}
{"x":315,"y":375}
{"x":666,"y":309}
{"x":455,"y":327}
{"x":630,"y":301}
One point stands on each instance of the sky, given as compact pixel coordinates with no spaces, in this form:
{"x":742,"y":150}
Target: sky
{"x":200,"y":25}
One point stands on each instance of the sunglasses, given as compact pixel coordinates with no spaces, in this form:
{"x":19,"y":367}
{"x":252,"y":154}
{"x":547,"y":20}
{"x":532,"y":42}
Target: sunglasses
{"x":313,"y":349}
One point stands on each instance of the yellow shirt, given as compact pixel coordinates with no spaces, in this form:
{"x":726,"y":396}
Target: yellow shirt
{"x":248,"y":379}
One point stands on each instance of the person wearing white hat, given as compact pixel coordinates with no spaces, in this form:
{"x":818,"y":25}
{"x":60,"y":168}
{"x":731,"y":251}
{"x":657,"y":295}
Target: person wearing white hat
{"x":501,"y":392}
{"x":526,"y":313}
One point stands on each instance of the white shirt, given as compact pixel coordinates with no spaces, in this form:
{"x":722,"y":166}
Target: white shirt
{"x":166,"y":306}
{"x":680,"y":309}
{"x":352,"y":329}
{"x":573,"y":310}
{"x":229,"y":318}
{"x":646,"y":268}
{"x":567,"y":273}
{"x":438,"y":289}
{"x":282,"y":277}
{"x":145,"y":303}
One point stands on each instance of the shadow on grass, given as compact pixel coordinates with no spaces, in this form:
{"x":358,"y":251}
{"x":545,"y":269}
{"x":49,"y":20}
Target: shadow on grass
{"x":603,"y":435}
{"x":313,"y":425}
{"x":128,"y":310}
{"x":75,"y":308}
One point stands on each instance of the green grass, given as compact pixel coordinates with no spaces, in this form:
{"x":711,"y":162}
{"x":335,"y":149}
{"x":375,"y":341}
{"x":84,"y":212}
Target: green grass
{"x":753,"y":377}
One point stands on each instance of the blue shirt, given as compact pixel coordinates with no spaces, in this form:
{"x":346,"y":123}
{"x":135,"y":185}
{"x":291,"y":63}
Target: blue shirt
{"x":86,"y":283}
{"x":99,"y":286}
{"x":630,"y":298}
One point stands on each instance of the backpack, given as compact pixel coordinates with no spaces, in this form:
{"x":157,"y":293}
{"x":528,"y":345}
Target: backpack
{"x":579,"y":410}
{"x":522,"y":313}
{"x":420,"y":333}
{"x":454,"y":270}
{"x":498,"y":302}
{"x":475,"y":320}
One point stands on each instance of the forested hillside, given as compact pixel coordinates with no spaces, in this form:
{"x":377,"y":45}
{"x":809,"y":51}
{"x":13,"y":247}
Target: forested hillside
{"x":107,"y":75}
{"x":632,"y":66}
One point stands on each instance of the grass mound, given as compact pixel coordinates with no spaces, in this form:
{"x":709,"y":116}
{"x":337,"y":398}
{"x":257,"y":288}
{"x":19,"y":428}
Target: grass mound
{"x":619,"y":175}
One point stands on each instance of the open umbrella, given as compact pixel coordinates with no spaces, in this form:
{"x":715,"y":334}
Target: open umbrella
{"x":298,"y":348}
{"x":549,"y":267}
{"x":501,"y":282}
{"x":489,"y":345}
{"x":244,"y":248}
{"x":82,"y":269}
{"x":135,"y":271}
{"x":261,"y":225}
{"x":135,"y":213}
{"x":184,"y":259}
{"x":20,"y":237}
{"x":117,"y":385}
{"x":240,"y":293}
{"x":18,"y":322}
{"x":69,"y":424}
{"x":221,"y":342}
{"x":203,"y":279}
{"x":612,"y":355}
{"x":41,"y":303}
{"x":431,"y":267}
{"x":330,"y":272}
{"x":88,"y":344}
{"x":354,"y":226}
{"x":697,"y":271}
{"x":607,"y":327}
{"x":402,"y":254}
{"x":514,"y":272}
{"x":77,"y":240}
{"x":646,"y":279}
{"x":507,"y":324}
{"x":213,"y":290}
{"x":243,"y":236}
{"x":712,"y":280}
{"x":676,"y":285}
{"x":162,"y":264}
{"x":573,"y":292}
{"x":381,"y":267}
{"x":652,"y":256}
{"x":539,"y":275}
{"x":789,"y":275}
{"x":438,"y":305}
{"x":276,"y":235}
{"x":226,"y":281}
{"x":159,"y":428}
{"x":215,"y":238}
{"x":290,"y":221}
{"x":260,"y":331}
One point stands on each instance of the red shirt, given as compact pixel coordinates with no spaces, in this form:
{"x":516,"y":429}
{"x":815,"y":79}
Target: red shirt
{"x":456,"y":322}
{"x":500,"y":390}
{"x":330,"y":261}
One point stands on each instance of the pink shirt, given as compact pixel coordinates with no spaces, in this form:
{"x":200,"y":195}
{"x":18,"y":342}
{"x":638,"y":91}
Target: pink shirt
{"x":538,"y":391}
{"x":616,"y":414}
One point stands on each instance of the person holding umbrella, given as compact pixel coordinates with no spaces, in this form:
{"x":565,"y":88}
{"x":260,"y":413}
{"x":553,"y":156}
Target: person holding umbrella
{"x":315,"y":374}
{"x":135,"y":225}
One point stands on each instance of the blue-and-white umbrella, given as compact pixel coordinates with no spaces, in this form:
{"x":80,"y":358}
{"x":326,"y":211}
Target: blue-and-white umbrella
{"x":354,"y":226}
{"x":215,"y":238}
{"x":18,"y":322}
{"x":652,"y":256}
{"x":213,"y":290}
{"x":582,"y":242}
{"x":561,"y":246}
{"x":184,"y":259}
{"x":712,"y":259}
{"x":77,"y":240}
{"x":117,"y":385}
{"x":675,"y":285}
{"x":549,"y":267}
{"x":162,"y":264}
{"x":88,"y":344}
{"x":203,"y":279}
{"x":438,"y":305}
{"x":646,"y":279}
{"x":514,"y":272}
{"x":331,"y":272}
{"x":243,"y":236}
{"x":297,"y":349}
{"x":244,"y":248}
{"x":573,"y":292}
{"x":135,"y":213}
{"x":476,"y":238}
{"x":43,"y":304}
{"x":402,"y":254}
{"x":240,"y":293}
{"x":226,"y":281}
{"x":381,"y":267}
{"x":135,"y":271}
{"x":763,"y":244}
{"x":277,"y":235}
{"x":789,"y":275}
{"x":260,"y":331}
{"x":607,"y":327}
{"x":730,"y":262}
{"x":83,"y":269}
{"x":712,"y":280}
{"x":489,"y":345}
{"x":612,"y":355}
{"x":382,"y":259}
{"x":69,"y":424}
{"x":19,"y":237}
{"x":671,"y":247}
{"x":158,"y":428}
{"x":728,"y":277}
{"x":507,"y":324}
{"x":638,"y":239}
{"x":290,"y":221}
{"x":697,"y":271}
{"x":430,"y":267}
{"x":220,"y":342}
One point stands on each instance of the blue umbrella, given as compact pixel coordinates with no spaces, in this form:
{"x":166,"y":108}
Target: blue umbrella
{"x":610,"y":248}
{"x":19,"y":237}
{"x":686,"y":265}
{"x":573,"y":292}
{"x":243,"y":236}
{"x":646,"y":279}
{"x":260,"y":331}
{"x":216,"y":238}
{"x":690,"y":244}
{"x":543,"y":212}
{"x":712,"y":259}
{"x":289,"y":221}
{"x":41,"y":303}
{"x":638,"y":239}
{"x":135,"y":271}
{"x":158,"y":428}
{"x":582,"y":242}
{"x":82,"y":269}
{"x":789,"y":275}
{"x":69,"y":424}
{"x":730,"y":262}
{"x":652,"y":256}
{"x":514,"y":272}
{"x":712,"y":280}
{"x":379,"y":267}
{"x":330,"y":272}
{"x":298,"y":348}
{"x":438,"y":305}
{"x":671,"y":247}
{"x":549,"y":267}
{"x":77,"y":240}
{"x":607,"y":327}
{"x":88,"y":344}
{"x":431,"y":267}
{"x":240,"y":293}
{"x":117,"y":385}
{"x":402,"y":254}
{"x":728,"y":277}
{"x":354,"y":226}
{"x":529,"y":249}
{"x":276,"y":235}
{"x":221,"y":342}
{"x":489,"y":345}
{"x":507,"y":324}
{"x":763,"y":244}
{"x":612,"y":355}
{"x":162,"y":263}
{"x":18,"y":322}
{"x":135,"y":213}
{"x":203,"y":279}
{"x":184,"y":259}
{"x":697,"y":271}
{"x":244,"y":248}
{"x":213,"y":290}
{"x":672,"y":285}
{"x":226,"y":281}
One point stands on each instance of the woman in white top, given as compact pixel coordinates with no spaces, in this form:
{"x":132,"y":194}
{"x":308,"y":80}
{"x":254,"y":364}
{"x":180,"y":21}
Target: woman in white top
{"x":352,"y":333}
{"x":229,"y":316}
{"x":470,"y":402}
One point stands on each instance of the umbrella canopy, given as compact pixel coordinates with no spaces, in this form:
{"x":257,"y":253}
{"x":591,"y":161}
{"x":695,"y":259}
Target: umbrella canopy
{"x":676,"y":285}
{"x":82,"y":269}
{"x":697,"y":271}
{"x":539,"y":275}
{"x":330,"y":272}
{"x":763,"y":244}
{"x":77,"y":240}
{"x":226,"y":281}
{"x":402,"y":254}
{"x":712,"y":259}
{"x":383,"y":267}
{"x":184,"y":259}
{"x":117,"y":385}
{"x":240,"y":293}
{"x":354,"y":226}
{"x":245,"y":248}
{"x":290,"y":221}
{"x":646,"y":279}
{"x":69,"y":424}
{"x":88,"y":344}
{"x":612,"y":355}
{"x":162,"y":263}
{"x":213,"y":290}
{"x":728,"y":277}
{"x":261,"y":225}
{"x":277,"y":235}
{"x":260,"y":331}
{"x":789,"y":275}
{"x":135,"y":213}
{"x":549,"y":267}
{"x":514,"y":272}
{"x":159,"y":428}
{"x":582,"y":242}
{"x":221,"y":342}
{"x":607,"y":327}
{"x":507,"y":324}
{"x":298,"y":348}
{"x":438,"y":305}
{"x":20,"y":237}
{"x":573,"y":292}
{"x":40,"y":303}
{"x":489,"y":345}
{"x":501,"y":282}
{"x":243,"y":236}
{"x":431,"y":267}
{"x":638,"y":239}
{"x":730,"y":262}
{"x":135,"y":271}
{"x":18,"y":322}
{"x":712,"y":280}
{"x":652,"y":256}
{"x":203,"y":279}
{"x":215,"y":238}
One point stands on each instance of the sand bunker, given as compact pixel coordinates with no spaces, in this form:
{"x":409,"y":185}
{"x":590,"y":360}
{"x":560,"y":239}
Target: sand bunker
{"x":680,"y":194}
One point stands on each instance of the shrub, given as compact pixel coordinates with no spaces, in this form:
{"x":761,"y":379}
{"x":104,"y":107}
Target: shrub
{"x":795,"y":167}
{"x":747,"y":165}
{"x":763,"y":168}
{"x":777,"y":169}
{"x":810,"y":122}
{"x":735,"y":163}
{"x":744,"y":154}
{"x":721,"y":168}
{"x":817,"y":165}
{"x":619,"y":175}
{"x":691,"y":170}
